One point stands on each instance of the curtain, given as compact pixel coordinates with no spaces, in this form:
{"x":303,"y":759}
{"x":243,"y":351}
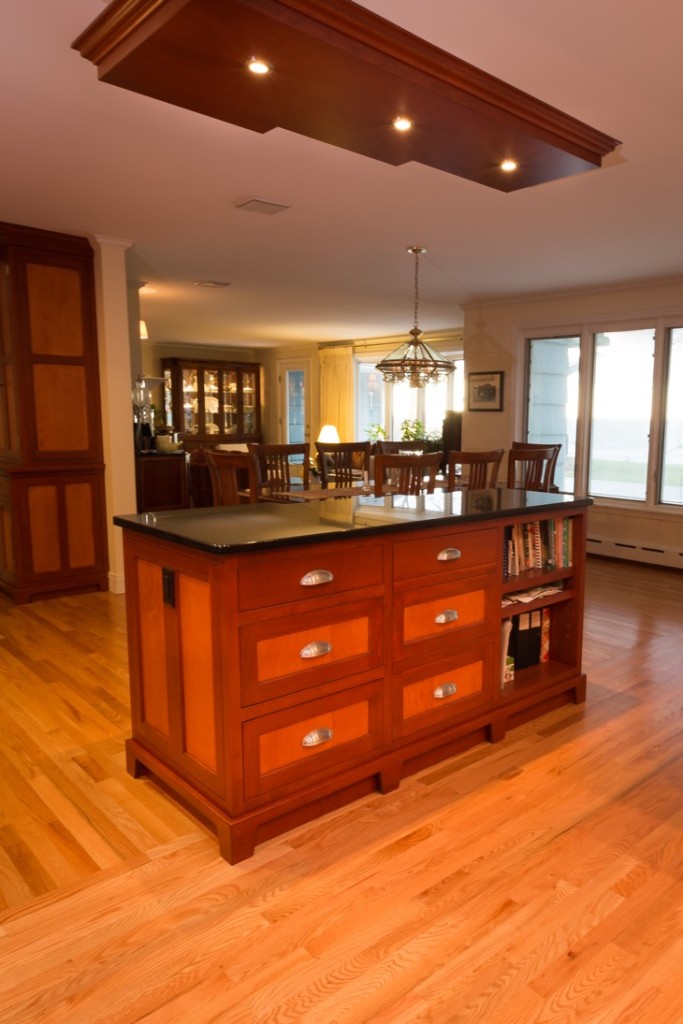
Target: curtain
{"x":337,"y":391}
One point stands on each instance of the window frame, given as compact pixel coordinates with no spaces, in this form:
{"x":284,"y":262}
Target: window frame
{"x":453,"y":351}
{"x":586,"y":330}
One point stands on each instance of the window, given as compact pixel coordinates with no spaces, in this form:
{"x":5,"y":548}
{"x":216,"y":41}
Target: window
{"x":621,"y":413}
{"x":554,"y":400}
{"x":629,"y":382}
{"x":388,"y":405}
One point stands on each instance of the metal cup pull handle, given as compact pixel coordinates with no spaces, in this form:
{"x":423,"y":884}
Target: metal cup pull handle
{"x":315,"y":649}
{"x":449,"y":555}
{"x":317,"y":736}
{"x":447,"y":615}
{"x":316,"y":577}
{"x":445,"y":690}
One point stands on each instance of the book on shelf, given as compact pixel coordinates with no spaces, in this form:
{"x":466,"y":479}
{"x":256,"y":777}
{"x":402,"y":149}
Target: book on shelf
{"x":532,"y":594}
{"x":525,"y":641}
{"x":540,"y":544}
{"x":507,"y":661}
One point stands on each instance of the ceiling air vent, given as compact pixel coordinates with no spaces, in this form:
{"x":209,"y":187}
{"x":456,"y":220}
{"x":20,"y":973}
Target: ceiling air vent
{"x":262,"y":206}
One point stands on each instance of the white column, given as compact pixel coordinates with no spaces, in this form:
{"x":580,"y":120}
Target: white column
{"x":116,"y":382}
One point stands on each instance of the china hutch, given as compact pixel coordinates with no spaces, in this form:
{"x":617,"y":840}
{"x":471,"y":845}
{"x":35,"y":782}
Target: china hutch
{"x":52,"y":503}
{"x":210,"y":403}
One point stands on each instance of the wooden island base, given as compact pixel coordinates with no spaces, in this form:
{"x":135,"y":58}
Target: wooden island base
{"x":238,"y":837}
{"x":275,"y":681}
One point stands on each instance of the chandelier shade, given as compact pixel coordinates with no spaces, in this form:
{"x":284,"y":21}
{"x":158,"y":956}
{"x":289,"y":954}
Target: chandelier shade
{"x":415,"y":362}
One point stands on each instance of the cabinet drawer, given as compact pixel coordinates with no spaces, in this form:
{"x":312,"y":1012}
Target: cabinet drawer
{"x":308,"y":572}
{"x":440,"y":611}
{"x":442,"y":692}
{"x":461,"y":550}
{"x":288,"y":654}
{"x":291,"y":745}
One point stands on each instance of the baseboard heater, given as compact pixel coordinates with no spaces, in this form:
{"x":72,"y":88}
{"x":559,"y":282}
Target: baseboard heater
{"x":652,"y":554}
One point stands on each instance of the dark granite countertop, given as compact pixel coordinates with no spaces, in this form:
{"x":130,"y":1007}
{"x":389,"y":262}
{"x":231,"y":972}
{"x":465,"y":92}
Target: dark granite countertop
{"x":238,"y":528}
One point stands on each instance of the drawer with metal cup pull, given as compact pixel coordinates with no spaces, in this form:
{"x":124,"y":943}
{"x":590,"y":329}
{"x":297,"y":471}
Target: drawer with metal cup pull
{"x":291,"y":744}
{"x":436,"y":692}
{"x":456,"y":551}
{"x":308,"y":572}
{"x":289,"y":653}
{"x":442,"y":609}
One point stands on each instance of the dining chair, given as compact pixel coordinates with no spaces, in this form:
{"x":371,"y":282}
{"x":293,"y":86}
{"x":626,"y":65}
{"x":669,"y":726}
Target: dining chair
{"x":532,"y":446}
{"x":532,"y":468}
{"x":343,"y":464}
{"x":198,"y":479}
{"x":482,"y":468}
{"x":274,"y":464}
{"x":233,"y":477}
{"x":406,"y":474}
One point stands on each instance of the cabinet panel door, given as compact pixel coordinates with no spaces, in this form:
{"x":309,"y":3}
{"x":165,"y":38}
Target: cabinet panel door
{"x":7,"y":564}
{"x":55,"y":309}
{"x":425,"y":617}
{"x":58,"y":389}
{"x":291,"y":746}
{"x":306,"y":573}
{"x":61,"y":515}
{"x":435,"y":694}
{"x":175,"y":685}
{"x":446,"y":553}
{"x":78,"y":506}
{"x":43,"y":525}
{"x":285,"y":655}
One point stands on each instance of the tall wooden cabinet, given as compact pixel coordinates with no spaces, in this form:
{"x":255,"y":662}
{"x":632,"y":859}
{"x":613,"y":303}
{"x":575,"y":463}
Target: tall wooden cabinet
{"x":210,"y":403}
{"x":52,"y":505}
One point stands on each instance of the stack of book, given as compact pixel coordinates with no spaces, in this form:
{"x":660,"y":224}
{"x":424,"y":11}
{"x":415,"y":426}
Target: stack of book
{"x":543,"y":545}
{"x":525,"y":642}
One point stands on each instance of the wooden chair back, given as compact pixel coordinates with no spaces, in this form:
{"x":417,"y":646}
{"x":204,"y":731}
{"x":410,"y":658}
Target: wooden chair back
{"x":233,"y":477}
{"x":406,"y":474}
{"x":481,"y":468}
{"x":274,"y":465}
{"x":199,"y":481}
{"x":532,"y":469}
{"x":398,"y":447}
{"x":531,"y":447}
{"x":343,"y":464}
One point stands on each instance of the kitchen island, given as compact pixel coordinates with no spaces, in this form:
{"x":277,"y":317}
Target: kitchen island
{"x":286,"y":659}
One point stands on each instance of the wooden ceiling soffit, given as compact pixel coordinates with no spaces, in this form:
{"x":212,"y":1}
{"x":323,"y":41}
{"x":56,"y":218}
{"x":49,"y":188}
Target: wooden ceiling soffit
{"x":341,"y":74}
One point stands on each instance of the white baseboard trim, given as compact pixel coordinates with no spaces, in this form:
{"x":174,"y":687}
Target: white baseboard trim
{"x":650,"y":554}
{"x":117,"y":583}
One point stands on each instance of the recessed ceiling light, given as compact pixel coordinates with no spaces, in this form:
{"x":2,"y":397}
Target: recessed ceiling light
{"x":509,"y":165}
{"x":258,"y":66}
{"x":402,"y":124}
{"x":212,"y":284}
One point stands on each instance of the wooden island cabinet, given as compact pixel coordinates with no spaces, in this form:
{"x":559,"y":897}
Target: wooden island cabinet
{"x":287,"y":659}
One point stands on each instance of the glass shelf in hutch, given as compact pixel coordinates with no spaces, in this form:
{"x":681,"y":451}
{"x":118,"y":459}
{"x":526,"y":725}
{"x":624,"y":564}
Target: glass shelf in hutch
{"x":210,"y":403}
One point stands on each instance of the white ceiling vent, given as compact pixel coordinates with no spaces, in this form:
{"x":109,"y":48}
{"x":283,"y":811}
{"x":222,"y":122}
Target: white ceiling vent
{"x":262,"y":206}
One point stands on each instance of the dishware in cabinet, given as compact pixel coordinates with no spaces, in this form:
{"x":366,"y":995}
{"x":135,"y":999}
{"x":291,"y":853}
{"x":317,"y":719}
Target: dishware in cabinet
{"x":210,"y":403}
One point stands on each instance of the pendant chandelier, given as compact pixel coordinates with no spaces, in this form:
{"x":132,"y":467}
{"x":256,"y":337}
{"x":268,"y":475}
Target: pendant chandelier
{"x":415,"y":362}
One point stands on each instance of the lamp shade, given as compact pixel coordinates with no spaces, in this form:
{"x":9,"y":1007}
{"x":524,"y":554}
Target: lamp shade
{"x":329,"y":435}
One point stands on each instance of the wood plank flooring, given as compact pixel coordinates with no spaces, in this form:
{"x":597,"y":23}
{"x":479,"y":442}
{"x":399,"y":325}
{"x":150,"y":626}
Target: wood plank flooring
{"x":536,"y":881}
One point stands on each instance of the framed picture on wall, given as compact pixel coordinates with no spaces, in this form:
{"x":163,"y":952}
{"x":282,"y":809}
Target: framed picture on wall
{"x":485,"y":391}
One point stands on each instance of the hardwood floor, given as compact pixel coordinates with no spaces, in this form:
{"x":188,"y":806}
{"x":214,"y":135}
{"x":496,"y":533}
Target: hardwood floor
{"x":537,"y":881}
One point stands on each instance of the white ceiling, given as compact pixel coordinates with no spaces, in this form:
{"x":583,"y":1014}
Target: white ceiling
{"x":88,"y":158}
